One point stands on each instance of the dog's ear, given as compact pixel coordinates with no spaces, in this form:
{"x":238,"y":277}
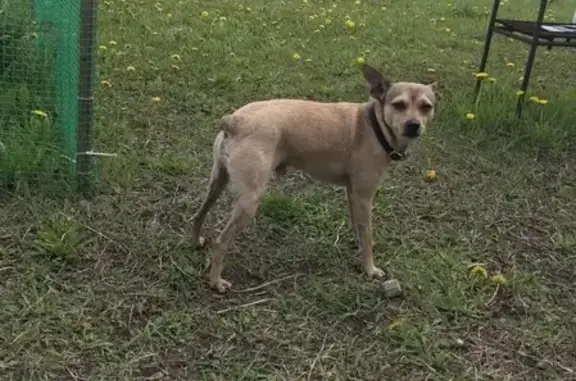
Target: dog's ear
{"x":378,"y":85}
{"x":434,"y":87}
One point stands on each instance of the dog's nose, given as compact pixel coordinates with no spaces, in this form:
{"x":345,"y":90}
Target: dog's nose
{"x":412,"y":129}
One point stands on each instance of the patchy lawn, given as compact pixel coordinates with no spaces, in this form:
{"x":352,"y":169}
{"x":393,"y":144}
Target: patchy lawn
{"x":110,"y":289}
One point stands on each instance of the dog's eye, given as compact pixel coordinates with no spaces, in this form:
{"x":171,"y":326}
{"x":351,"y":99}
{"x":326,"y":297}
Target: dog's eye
{"x":426,"y":107}
{"x":400,"y":106}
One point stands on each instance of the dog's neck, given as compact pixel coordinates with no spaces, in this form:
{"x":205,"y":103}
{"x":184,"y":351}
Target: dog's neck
{"x":381,"y":129}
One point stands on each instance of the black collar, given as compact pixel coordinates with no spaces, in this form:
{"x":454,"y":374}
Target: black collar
{"x":394,"y":155}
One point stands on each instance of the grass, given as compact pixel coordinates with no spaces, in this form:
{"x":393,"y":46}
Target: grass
{"x":109,"y":288}
{"x":29,"y":139}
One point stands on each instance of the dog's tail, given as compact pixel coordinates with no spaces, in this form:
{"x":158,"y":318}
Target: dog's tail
{"x":227,"y":124}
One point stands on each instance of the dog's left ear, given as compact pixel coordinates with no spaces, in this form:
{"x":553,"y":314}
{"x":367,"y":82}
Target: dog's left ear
{"x":378,"y":85}
{"x":434,"y":87}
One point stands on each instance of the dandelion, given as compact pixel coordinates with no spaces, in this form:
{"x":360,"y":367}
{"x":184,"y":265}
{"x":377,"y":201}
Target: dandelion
{"x":204,"y":14}
{"x":176,"y":57}
{"x":430,"y":175}
{"x":155,"y":100}
{"x":113,"y":43}
{"x":498,"y":279}
{"x":481,"y":75}
{"x":543,"y":101}
{"x":510,"y":64}
{"x":479,"y":271}
{"x":470,"y":116}
{"x":349,"y":24}
{"x":520,"y":92}
{"x":106,"y":83}
{"x":448,"y":30}
{"x":222,"y":18}
{"x":534,"y":99}
{"x":102,"y":48}
{"x":357,"y":2}
{"x":40,"y":113}
{"x":431,"y":70}
{"x":360,"y":61}
{"x":130,"y":68}
{"x":297,"y":56}
{"x":491,"y":79}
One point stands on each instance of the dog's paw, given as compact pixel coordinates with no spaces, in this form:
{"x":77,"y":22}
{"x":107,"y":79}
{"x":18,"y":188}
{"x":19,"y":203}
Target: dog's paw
{"x":221,"y":285}
{"x":375,"y":272}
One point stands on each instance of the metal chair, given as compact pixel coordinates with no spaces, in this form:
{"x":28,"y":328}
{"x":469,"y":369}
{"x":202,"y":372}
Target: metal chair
{"x":536,"y":33}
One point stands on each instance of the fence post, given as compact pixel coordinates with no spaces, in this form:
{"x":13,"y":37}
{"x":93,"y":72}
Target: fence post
{"x":87,"y":71}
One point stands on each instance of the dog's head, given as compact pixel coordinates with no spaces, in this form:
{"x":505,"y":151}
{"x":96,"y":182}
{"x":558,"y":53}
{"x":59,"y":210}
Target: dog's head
{"x":405,"y":106}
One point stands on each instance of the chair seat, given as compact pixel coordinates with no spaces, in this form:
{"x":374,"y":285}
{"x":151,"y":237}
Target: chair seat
{"x":549,"y":31}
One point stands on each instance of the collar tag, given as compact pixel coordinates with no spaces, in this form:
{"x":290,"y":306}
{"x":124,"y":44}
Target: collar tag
{"x":397,"y":156}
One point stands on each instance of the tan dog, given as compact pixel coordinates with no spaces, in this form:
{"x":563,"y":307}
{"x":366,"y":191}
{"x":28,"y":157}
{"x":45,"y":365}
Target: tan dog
{"x":346,"y":144}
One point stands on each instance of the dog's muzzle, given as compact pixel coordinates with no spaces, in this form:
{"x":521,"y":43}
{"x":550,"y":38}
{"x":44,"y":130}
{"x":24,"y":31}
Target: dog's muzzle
{"x":412,"y":129}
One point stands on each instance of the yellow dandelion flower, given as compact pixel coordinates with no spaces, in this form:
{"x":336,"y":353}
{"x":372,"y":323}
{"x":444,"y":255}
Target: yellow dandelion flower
{"x":491,"y":79}
{"x":534,"y":99}
{"x":131,"y":68}
{"x":384,"y":8}
{"x":39,"y":113}
{"x":543,"y":101}
{"x":481,"y":75}
{"x":103,"y":48}
{"x":308,"y":60}
{"x":362,"y":25}
{"x":204,"y":14}
{"x":519,"y":92}
{"x":479,"y":271}
{"x":498,"y":279}
{"x":448,"y":30}
{"x":431,"y":70}
{"x":430,"y":175}
{"x":346,"y":17}
{"x":357,"y":2}
{"x":328,"y":22}
{"x":360,"y":61}
{"x":349,"y":24}
{"x":222,"y":18}
{"x":156,"y":100}
{"x":296,"y":56}
{"x":176,"y":57}
{"x":510,"y":64}
{"x":106,"y":83}
{"x":470,"y":116}
{"x":112,"y":43}
{"x":395,"y":324}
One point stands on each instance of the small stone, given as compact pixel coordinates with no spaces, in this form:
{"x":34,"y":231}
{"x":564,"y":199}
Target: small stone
{"x":392,"y":288}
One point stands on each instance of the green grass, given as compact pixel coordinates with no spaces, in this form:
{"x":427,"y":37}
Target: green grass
{"x":110,"y":289}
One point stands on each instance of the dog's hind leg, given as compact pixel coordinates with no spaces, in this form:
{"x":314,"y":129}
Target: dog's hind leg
{"x":218,"y":180}
{"x":249,"y":175}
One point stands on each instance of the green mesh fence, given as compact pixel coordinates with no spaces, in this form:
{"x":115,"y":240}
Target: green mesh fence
{"x":40,"y":65}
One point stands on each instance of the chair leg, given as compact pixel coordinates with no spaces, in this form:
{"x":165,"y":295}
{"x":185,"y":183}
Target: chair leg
{"x":531,"y":56}
{"x":487,"y":44}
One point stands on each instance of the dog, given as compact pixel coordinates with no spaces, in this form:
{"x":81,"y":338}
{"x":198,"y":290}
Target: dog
{"x":342,"y":143}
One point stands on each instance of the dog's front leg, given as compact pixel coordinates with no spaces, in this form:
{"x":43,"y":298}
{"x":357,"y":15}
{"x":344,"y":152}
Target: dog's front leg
{"x":361,"y":206}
